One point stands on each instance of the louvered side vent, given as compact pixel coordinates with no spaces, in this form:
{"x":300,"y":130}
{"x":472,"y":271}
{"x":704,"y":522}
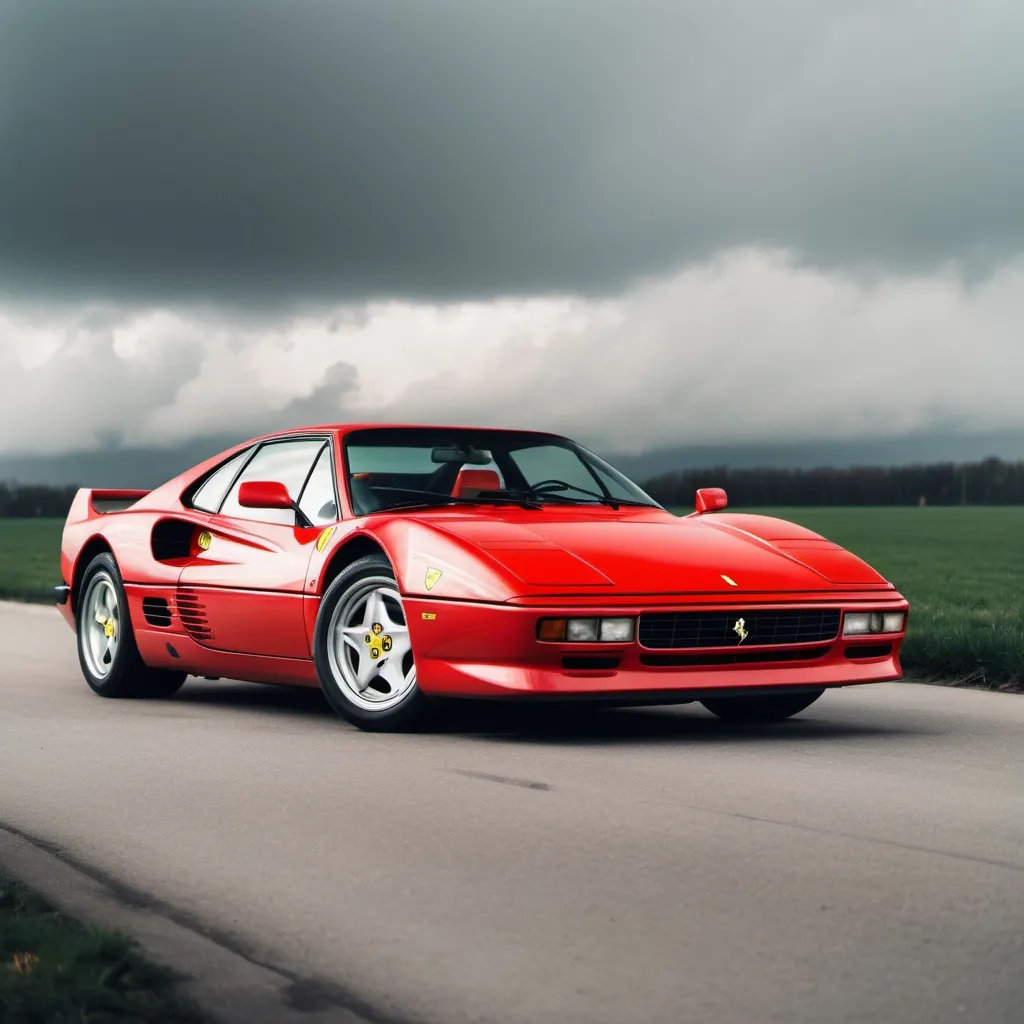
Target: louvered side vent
{"x":157,"y":611}
{"x":192,"y":613}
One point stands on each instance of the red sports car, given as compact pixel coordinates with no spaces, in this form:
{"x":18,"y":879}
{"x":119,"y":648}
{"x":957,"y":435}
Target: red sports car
{"x":393,"y":564}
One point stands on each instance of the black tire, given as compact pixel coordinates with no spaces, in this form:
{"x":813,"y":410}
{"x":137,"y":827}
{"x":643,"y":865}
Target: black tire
{"x":764,"y":708}
{"x":409,"y":706}
{"x":126,"y":675}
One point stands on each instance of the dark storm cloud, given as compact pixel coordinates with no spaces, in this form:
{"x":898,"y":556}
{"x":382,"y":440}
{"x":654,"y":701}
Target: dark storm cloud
{"x":746,"y":347}
{"x":322,"y":149}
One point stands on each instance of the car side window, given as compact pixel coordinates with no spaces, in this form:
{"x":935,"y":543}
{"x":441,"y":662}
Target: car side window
{"x":286,"y":462}
{"x":319,"y":501}
{"x":211,"y":493}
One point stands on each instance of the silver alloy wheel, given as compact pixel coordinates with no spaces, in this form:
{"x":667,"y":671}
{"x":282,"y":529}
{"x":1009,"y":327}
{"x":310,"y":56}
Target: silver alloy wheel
{"x":101,"y":625}
{"x":368,"y":646}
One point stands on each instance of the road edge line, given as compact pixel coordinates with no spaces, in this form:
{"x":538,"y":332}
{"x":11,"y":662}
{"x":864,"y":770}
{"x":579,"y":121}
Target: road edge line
{"x":226,"y":985}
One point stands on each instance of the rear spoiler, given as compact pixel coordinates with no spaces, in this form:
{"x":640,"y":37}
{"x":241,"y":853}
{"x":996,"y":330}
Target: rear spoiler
{"x":90,"y":502}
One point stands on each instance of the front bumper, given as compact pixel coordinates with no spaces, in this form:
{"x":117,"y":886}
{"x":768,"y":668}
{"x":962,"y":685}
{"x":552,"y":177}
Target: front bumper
{"x":482,"y":650}
{"x":62,"y":594}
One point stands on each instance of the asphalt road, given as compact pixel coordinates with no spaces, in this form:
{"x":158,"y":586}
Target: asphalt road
{"x":863,"y":862}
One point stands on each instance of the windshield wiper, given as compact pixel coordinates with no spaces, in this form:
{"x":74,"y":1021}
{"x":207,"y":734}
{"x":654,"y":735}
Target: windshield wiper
{"x":484,"y":498}
{"x":532,"y":498}
{"x":604,"y":499}
{"x":629,"y":502}
{"x":535,"y":498}
{"x":546,"y":491}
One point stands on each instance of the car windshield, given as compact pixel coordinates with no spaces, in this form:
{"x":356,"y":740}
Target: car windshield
{"x":390,"y":468}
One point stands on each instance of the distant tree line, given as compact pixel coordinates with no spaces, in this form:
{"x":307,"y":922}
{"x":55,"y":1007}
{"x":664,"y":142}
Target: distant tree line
{"x":29,"y":501}
{"x":990,"y":482}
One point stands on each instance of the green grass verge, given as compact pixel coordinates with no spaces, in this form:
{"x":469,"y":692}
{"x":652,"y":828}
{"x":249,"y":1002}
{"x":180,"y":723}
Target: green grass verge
{"x":54,"y":970}
{"x":29,"y":558}
{"x":962,"y":569}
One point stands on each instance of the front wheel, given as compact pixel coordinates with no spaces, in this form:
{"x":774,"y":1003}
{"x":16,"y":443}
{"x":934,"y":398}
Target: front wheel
{"x":362,"y":649}
{"x":765,"y":708}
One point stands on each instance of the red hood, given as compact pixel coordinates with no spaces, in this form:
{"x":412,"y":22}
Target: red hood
{"x":659,"y":553}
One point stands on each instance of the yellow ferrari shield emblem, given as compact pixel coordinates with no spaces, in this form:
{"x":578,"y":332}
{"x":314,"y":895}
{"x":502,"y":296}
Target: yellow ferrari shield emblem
{"x":378,"y":641}
{"x":433,"y":575}
{"x":205,"y":540}
{"x":321,"y":541}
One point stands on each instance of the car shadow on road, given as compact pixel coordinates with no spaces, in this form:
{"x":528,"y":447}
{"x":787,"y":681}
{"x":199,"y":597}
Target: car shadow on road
{"x":575,"y":724}
{"x":579,"y":725}
{"x":231,"y":695}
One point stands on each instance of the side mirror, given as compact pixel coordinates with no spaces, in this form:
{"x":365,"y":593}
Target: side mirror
{"x":711,"y":499}
{"x":264,"y":494}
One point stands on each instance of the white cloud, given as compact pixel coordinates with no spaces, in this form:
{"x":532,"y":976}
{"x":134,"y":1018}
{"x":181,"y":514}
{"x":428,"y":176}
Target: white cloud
{"x":748,"y":346}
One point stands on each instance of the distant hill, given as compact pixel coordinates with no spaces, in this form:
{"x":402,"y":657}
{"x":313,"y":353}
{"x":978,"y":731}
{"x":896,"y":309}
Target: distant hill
{"x":148,"y":467}
{"x":899,"y":451}
{"x":989,"y":482}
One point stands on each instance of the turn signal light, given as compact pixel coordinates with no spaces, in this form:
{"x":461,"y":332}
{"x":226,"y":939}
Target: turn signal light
{"x":551,"y":629}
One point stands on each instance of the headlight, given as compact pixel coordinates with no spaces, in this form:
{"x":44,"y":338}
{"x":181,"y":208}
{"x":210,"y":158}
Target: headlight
{"x":866,"y":623}
{"x":581,"y":630}
{"x":587,"y":631}
{"x":617,"y":631}
{"x":856,"y":622}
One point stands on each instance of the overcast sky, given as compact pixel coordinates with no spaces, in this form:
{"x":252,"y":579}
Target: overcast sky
{"x":644,"y":224}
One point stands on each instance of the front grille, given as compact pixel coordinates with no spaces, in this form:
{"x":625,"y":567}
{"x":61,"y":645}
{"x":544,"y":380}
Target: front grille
{"x":718,"y":629}
{"x":192,"y":613}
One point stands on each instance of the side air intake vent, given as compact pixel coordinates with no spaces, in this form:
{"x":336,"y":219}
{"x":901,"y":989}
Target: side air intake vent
{"x":157,"y":611}
{"x":172,"y":538}
{"x":192,"y":613}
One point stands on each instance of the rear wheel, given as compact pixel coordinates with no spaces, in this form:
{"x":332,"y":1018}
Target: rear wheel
{"x":362,"y":649}
{"x":110,"y":660}
{"x":765,"y":708}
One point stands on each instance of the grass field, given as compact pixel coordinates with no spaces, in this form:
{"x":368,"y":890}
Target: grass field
{"x":962,"y":569}
{"x":29,"y":558}
{"x":54,"y":970}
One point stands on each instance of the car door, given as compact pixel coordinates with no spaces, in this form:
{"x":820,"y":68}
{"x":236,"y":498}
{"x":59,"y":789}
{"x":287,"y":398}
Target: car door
{"x":242,"y":591}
